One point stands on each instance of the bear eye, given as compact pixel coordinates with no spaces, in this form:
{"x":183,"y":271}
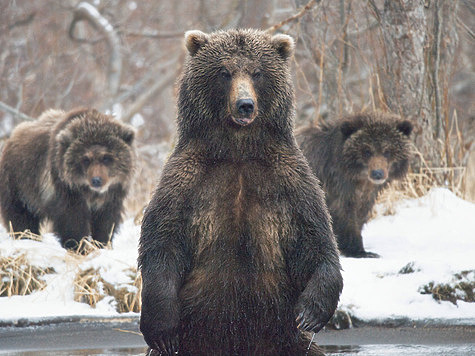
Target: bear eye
{"x":107,"y":159}
{"x":367,"y":153}
{"x":86,"y":161}
{"x":387,"y":154}
{"x":225,"y":74}
{"x":257,"y":74}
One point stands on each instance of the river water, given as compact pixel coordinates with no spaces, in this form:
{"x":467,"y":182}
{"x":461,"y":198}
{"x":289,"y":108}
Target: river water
{"x":108,"y":338}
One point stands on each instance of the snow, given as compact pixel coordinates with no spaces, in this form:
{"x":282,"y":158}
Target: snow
{"x":434,"y":234}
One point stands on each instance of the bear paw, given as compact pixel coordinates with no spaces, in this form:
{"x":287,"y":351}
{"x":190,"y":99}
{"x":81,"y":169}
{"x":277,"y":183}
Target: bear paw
{"x":160,"y":329}
{"x":164,"y":342}
{"x":311,"y":316}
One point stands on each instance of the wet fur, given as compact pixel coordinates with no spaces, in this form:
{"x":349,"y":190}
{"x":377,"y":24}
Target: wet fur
{"x":237,"y":241}
{"x":338,"y":154}
{"x":41,"y":175}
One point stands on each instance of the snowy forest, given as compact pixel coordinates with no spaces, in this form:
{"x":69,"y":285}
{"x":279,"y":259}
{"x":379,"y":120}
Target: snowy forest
{"x":411,"y":58}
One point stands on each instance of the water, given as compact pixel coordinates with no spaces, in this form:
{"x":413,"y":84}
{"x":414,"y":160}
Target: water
{"x":363,"y":350}
{"x":402,"y":350}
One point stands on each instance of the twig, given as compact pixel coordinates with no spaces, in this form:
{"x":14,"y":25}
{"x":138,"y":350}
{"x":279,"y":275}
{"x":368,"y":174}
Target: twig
{"x":376,"y":12}
{"x":87,"y":12}
{"x":22,"y":22}
{"x":152,"y":33}
{"x":435,"y":70}
{"x":465,"y":27}
{"x":298,"y":15}
{"x":151,"y":91}
{"x":7,"y":108}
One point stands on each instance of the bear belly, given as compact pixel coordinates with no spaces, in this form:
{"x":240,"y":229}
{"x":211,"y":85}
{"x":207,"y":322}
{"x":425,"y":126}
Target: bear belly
{"x":235,"y":306}
{"x":238,"y":290}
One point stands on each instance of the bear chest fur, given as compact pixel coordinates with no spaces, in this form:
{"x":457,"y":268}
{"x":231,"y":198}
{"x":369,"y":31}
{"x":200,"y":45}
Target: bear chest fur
{"x":237,"y":227}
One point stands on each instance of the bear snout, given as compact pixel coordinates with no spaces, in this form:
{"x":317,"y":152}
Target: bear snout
{"x":245,"y":107}
{"x":96,"y":182}
{"x":243,"y":102}
{"x":378,"y":169}
{"x":377,"y":174}
{"x":98,"y":177}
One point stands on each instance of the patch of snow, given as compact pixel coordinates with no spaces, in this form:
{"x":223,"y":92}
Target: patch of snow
{"x":434,"y":235}
{"x":437,"y":234}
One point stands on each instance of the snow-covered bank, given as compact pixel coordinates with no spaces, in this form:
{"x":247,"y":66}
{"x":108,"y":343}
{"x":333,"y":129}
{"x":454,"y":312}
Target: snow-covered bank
{"x":428,"y":240}
{"x":433,"y":236}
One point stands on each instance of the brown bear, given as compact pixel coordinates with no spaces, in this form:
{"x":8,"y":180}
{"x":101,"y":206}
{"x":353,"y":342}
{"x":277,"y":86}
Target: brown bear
{"x":236,"y":251}
{"x":73,"y":168}
{"x":355,"y":158}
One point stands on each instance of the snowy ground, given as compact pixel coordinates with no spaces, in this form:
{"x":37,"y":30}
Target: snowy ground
{"x":434,"y":234}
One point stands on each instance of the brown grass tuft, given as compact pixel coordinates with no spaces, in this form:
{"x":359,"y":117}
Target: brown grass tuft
{"x":90,"y":288}
{"x":19,"y":277}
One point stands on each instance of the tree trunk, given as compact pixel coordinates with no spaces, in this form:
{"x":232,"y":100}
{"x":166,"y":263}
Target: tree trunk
{"x":417,"y":35}
{"x":402,"y":77}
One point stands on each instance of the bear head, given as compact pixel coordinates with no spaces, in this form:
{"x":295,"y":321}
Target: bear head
{"x":235,"y":83}
{"x":93,"y":151}
{"x":376,"y":146}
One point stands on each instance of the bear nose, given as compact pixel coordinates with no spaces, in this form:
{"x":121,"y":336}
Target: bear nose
{"x":377,"y":174}
{"x":245,"y":107}
{"x":96,"y":182}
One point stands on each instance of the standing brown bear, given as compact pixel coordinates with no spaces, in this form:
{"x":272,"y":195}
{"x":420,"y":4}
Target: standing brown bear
{"x":237,"y":251}
{"x":355,"y":158}
{"x":72,"y":168}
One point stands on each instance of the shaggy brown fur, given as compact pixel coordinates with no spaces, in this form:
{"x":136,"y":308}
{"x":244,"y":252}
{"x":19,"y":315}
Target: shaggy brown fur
{"x":355,"y":158}
{"x":71,"y":168}
{"x":237,"y":248}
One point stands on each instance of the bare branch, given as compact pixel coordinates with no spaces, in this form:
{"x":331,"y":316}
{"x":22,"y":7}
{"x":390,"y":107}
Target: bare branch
{"x":465,"y":27}
{"x":436,"y":64}
{"x":375,"y":10}
{"x":297,"y":16}
{"x":153,"y":90}
{"x":86,"y":12}
{"x":152,"y":33}
{"x":22,"y":22}
{"x":11,"y":110}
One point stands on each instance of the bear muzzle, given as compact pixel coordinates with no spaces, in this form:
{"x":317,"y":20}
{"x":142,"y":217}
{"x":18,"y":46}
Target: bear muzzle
{"x":378,"y":170}
{"x":243,"y":103}
{"x":245,"y":108}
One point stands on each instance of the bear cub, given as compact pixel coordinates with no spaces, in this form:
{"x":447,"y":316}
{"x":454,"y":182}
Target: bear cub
{"x":237,"y":252}
{"x":72,"y":168}
{"x":355,"y":158}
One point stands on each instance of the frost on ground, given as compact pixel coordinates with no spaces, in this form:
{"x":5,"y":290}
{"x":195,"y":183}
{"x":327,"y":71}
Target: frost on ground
{"x":427,"y":247}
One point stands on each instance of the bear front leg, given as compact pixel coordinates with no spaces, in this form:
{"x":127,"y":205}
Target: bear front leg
{"x":319,"y":300}
{"x":71,"y":220}
{"x":71,"y":228}
{"x":164,"y":259}
{"x":350,"y":241}
{"x":105,"y":222}
{"x":159,"y":319}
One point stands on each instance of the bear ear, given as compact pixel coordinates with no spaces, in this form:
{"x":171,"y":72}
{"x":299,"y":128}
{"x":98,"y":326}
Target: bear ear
{"x":349,"y":127}
{"x":405,"y":127}
{"x":128,"y":135}
{"x":194,"y":40}
{"x":64,"y":138}
{"x":284,"y":45}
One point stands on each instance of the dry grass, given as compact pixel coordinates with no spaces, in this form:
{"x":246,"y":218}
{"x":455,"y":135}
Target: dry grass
{"x":418,"y":184}
{"x":461,"y":288}
{"x":19,"y":277}
{"x":90,"y":288}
